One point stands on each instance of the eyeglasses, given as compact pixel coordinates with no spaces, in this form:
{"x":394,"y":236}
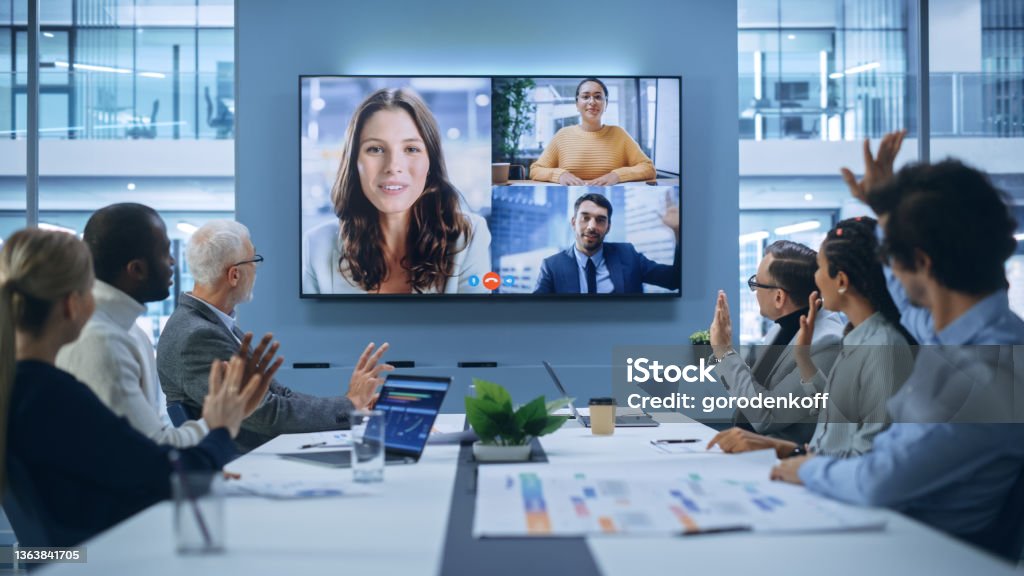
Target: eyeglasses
{"x":255,"y":261}
{"x":753,"y":284}
{"x":588,"y":97}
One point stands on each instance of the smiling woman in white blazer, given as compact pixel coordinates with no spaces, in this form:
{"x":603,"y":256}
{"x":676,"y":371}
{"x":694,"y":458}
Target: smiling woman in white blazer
{"x":401,"y":227}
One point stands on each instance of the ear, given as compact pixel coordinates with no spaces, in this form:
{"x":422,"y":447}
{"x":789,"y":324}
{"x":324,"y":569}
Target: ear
{"x":67,"y":306}
{"x":234,"y":276}
{"x":780,"y":299}
{"x":922,"y":262}
{"x":72,"y":306}
{"x":138,"y":269}
{"x":842,"y":281}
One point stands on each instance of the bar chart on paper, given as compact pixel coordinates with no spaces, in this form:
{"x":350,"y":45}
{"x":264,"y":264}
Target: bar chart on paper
{"x":549,"y":500}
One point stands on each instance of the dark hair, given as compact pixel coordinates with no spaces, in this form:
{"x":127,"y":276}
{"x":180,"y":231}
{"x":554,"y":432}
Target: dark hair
{"x":954,"y":214}
{"x":793,"y":267}
{"x":585,"y":80}
{"x":598,"y":199}
{"x":118,"y":234}
{"x":852,"y":247}
{"x":437,"y":221}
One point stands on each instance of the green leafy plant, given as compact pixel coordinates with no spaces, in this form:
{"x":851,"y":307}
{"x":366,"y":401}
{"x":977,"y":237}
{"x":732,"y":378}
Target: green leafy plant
{"x":700,"y":337}
{"x":513,"y":114}
{"x":494,"y":420}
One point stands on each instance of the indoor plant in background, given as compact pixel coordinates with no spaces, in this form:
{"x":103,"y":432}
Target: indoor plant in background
{"x":506,"y":432}
{"x":513,"y":115}
{"x":701,"y":343}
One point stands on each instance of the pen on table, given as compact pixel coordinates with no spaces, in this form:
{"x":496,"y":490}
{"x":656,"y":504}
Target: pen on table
{"x":313,"y":445}
{"x":676,"y":441}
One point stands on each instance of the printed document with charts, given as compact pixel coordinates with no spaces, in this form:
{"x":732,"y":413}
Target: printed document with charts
{"x":731,"y":492}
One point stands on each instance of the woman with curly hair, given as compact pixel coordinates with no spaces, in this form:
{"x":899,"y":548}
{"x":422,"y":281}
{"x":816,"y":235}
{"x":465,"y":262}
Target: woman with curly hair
{"x":401,"y":227}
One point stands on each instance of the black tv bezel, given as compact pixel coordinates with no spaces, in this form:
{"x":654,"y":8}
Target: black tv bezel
{"x":499,"y":297}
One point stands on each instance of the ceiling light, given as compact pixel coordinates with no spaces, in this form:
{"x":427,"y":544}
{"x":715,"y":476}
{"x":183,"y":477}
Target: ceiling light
{"x":187,"y":227}
{"x":55,"y":228}
{"x":808,"y":196}
{"x":798,"y":227}
{"x":131,"y":186}
{"x":791,"y":37}
{"x":753,"y":237}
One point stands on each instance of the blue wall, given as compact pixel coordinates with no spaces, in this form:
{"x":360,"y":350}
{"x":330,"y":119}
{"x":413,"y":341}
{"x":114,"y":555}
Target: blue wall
{"x":277,"y":41}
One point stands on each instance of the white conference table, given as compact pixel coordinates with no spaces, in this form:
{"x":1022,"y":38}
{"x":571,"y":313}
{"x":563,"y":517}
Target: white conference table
{"x":401,"y":529}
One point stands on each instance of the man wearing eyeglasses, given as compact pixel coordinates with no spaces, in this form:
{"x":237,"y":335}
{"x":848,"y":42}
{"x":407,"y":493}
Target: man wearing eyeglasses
{"x":782,"y":285}
{"x":203,"y":328}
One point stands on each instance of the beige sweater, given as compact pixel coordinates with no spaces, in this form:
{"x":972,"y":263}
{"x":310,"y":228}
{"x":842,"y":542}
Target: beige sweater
{"x":590,"y":155}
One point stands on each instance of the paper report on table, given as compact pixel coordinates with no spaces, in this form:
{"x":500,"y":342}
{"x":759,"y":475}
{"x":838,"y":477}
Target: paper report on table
{"x":532,"y":500}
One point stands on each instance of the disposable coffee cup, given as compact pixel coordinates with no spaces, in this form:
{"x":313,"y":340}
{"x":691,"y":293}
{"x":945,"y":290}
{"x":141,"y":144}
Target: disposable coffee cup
{"x":602,"y":416}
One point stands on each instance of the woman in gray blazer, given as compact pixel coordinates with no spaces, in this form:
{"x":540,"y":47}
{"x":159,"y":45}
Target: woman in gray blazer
{"x":873,"y":363}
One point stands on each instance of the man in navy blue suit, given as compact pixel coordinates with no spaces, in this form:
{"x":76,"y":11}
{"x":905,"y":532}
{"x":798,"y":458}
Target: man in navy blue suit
{"x":593,"y":266}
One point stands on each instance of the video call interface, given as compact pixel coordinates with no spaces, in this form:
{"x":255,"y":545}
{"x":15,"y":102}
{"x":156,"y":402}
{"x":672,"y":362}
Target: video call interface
{"x":490,"y":186}
{"x":409,"y":412}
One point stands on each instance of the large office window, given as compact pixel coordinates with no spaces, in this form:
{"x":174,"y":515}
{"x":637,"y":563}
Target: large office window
{"x":816,"y":77}
{"x":12,"y":143}
{"x":136,"y":104}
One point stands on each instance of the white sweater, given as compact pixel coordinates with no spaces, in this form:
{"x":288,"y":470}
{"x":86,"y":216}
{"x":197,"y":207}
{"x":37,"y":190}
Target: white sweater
{"x":115,"y":358}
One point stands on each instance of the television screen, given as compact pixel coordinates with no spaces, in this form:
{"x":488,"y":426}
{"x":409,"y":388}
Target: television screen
{"x":490,"y":186}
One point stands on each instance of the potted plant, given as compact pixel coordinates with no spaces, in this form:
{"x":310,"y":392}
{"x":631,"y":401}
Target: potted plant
{"x":701,"y":343}
{"x":513,"y":115}
{"x":505,"y":432}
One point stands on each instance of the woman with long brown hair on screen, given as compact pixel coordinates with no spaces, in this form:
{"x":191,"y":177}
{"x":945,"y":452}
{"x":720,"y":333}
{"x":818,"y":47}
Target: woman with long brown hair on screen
{"x":68,"y":465}
{"x":401,"y":227}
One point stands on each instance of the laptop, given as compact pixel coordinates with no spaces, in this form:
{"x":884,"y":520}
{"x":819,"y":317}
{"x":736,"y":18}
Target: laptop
{"x":621,"y":420}
{"x":410,"y":405}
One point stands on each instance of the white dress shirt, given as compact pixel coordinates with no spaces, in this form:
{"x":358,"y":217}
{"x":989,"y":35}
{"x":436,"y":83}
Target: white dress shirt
{"x":115,"y":358}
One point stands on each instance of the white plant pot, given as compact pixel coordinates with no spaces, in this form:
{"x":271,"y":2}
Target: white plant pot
{"x":493,"y":453}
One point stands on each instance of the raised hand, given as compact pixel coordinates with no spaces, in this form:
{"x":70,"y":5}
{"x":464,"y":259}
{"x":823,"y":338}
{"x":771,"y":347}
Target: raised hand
{"x":366,"y":376}
{"x":721,"y":327}
{"x":804,"y":337}
{"x":877,"y":169}
{"x":670,"y":217}
{"x":260,"y":361}
{"x":229,"y":397}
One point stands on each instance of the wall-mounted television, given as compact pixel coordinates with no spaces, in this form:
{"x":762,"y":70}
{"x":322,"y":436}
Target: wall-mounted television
{"x":490,"y":186}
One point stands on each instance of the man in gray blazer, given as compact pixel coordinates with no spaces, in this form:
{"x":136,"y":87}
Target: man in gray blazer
{"x":202,"y":329}
{"x":783,"y":283}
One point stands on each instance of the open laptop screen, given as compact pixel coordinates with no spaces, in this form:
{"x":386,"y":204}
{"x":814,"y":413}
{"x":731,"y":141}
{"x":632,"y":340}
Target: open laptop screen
{"x":410,"y":405}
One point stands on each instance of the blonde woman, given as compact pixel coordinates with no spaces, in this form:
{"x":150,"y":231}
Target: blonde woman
{"x":65,"y":456}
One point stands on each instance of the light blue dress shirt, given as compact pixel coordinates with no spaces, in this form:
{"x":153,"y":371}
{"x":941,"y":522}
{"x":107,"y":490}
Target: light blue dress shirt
{"x":228,"y":320}
{"x":604,"y":278}
{"x":955,"y":477}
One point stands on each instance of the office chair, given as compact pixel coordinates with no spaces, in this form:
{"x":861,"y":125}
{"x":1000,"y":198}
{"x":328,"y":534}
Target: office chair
{"x":179,"y":413}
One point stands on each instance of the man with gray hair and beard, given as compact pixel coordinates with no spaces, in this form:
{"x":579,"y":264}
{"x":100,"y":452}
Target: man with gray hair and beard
{"x":223,"y":261}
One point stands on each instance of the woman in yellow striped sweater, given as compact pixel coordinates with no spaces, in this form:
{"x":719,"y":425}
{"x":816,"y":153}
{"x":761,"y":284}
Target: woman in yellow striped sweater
{"x":591,"y":153}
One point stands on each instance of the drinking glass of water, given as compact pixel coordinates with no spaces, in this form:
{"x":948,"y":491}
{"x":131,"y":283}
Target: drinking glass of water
{"x":367,"y":446}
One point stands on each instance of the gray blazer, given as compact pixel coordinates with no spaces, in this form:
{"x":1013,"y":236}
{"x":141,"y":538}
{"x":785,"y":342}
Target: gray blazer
{"x":190,"y":342}
{"x":794,"y":424}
